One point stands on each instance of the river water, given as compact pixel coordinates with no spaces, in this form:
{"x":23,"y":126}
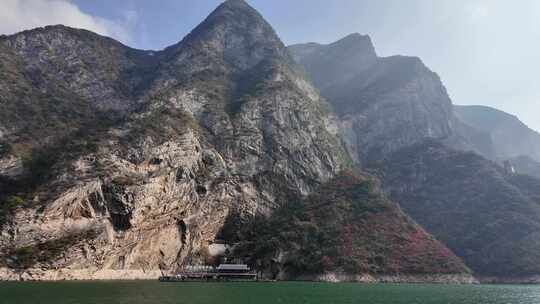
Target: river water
{"x":262,"y":293}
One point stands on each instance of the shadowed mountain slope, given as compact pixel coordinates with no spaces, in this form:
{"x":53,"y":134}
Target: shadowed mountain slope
{"x":399,"y":123}
{"x":512,"y":139}
{"x":385,"y":103}
{"x":487,"y":216}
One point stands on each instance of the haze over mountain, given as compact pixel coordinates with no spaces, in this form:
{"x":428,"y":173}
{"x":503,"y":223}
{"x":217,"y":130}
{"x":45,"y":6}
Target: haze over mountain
{"x":397,"y":117}
{"x":512,"y":139}
{"x":385,"y":103}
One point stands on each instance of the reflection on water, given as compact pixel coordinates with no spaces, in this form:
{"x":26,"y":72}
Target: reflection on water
{"x":240,"y":293}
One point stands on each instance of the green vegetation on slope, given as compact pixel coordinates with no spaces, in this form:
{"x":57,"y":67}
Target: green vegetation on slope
{"x":488,"y":218}
{"x":346,"y":226}
{"x":42,"y":253}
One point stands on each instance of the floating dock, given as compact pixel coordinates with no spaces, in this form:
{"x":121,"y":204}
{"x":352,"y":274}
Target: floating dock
{"x":224,"y":272}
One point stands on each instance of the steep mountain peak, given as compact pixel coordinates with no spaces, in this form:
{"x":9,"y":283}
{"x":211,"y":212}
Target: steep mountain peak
{"x":337,"y":62}
{"x":225,"y":120}
{"x":379,"y":97}
{"x":235,"y":8}
{"x":358,"y":43}
{"x":234,"y":33}
{"x":242,"y":4}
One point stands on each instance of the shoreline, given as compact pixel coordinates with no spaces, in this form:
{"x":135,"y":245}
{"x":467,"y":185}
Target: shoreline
{"x":332,"y":277}
{"x":517,"y":280}
{"x":96,"y":275}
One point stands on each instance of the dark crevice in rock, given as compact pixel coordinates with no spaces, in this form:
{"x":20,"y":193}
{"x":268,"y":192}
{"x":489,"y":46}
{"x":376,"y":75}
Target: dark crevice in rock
{"x":121,"y":222}
{"x":119,"y":204}
{"x":95,"y":201}
{"x":121,"y":262}
{"x":182,"y":228}
{"x":201,"y":190}
{"x":156,"y":161}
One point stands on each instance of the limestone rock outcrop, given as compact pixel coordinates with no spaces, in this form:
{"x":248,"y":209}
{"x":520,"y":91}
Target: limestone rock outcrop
{"x":139,"y":168}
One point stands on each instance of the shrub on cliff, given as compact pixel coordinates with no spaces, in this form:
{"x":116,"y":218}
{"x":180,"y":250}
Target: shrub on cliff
{"x":346,"y":226}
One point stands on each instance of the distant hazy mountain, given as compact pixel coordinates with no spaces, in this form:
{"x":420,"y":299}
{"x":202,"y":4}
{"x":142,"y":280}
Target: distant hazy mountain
{"x":526,"y":165}
{"x":320,"y":62}
{"x":489,"y":217}
{"x":397,"y":119}
{"x":511,"y":138}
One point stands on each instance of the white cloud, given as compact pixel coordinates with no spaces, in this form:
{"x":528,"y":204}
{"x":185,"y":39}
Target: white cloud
{"x":18,"y":15}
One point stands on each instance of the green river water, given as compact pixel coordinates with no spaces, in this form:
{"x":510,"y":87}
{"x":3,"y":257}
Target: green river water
{"x":261,"y":293}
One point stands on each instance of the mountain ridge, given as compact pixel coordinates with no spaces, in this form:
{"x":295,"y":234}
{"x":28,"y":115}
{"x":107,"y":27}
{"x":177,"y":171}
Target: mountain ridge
{"x":118,"y":163}
{"x":436,"y":166}
{"x":222,"y":123}
{"x":383,"y":96}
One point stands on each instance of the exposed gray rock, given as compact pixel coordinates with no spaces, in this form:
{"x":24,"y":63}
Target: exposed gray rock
{"x":98,"y":69}
{"x":220,"y":123}
{"x":11,"y":166}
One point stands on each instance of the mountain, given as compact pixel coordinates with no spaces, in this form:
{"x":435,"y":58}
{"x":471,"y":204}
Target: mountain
{"x":60,"y":87}
{"x":348,"y":230}
{"x":512,"y":139}
{"x":321,"y":64}
{"x":146,"y":171}
{"x":120,"y":164}
{"x":399,"y":124}
{"x":486,"y":215}
{"x":384,"y":103}
{"x":526,"y":165}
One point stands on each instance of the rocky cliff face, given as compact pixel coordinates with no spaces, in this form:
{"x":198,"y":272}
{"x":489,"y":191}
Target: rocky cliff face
{"x":154,"y":150}
{"x":100,"y":70}
{"x":384,"y":104}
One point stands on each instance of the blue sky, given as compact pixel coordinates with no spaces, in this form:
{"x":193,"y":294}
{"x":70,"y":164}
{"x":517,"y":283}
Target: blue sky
{"x":486,"y":51}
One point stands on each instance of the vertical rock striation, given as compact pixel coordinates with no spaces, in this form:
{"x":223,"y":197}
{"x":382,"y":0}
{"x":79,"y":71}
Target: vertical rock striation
{"x":164,"y":145}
